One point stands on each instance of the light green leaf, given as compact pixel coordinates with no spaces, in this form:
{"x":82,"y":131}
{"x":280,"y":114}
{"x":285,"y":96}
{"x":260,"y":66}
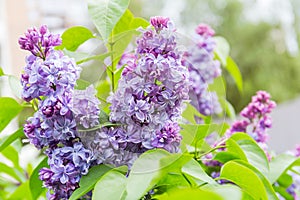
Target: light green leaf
{"x":9,"y":108}
{"x":269,"y":189}
{"x":145,"y":173}
{"x":279,"y":165}
{"x":219,"y":86}
{"x":35,"y":184}
{"x":82,"y":84}
{"x":11,"y":138}
{"x":194,"y":133}
{"x":190,"y":194}
{"x":255,"y":155}
{"x":105,"y":14}
{"x":73,"y":37}
{"x":190,"y":112}
{"x":103,"y":90}
{"x":1,"y":72}
{"x":227,"y":191}
{"x":244,"y":178}
{"x":15,"y":85}
{"x":235,"y":150}
{"x":22,"y":192}
{"x":229,"y":109}
{"x":123,"y":32}
{"x":11,"y":171}
{"x":222,"y":49}
{"x":194,"y":169}
{"x":235,"y":73}
{"x":88,"y":181}
{"x":110,"y":186}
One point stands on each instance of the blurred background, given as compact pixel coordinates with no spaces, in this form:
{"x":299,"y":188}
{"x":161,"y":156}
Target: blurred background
{"x":263,"y":35}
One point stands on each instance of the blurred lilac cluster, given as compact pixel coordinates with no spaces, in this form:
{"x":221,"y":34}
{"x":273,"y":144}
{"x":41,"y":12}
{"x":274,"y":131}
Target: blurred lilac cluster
{"x":257,"y":119}
{"x":203,"y":69}
{"x":49,"y":79}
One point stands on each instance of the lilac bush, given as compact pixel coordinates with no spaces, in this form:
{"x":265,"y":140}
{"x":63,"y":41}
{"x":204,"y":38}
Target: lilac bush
{"x":143,"y":131}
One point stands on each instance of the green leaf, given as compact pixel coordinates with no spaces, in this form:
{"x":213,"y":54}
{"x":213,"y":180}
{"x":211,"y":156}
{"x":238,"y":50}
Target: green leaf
{"x":235,"y":149}
{"x":194,"y":169}
{"x":222,"y":49}
{"x":219,"y":86}
{"x":15,"y":85}
{"x":11,"y":171}
{"x":279,"y":165}
{"x":145,"y":173}
{"x":82,"y":84}
{"x":123,"y":32}
{"x":189,"y":193}
{"x":229,"y":109}
{"x":73,"y":37}
{"x":190,"y":112}
{"x":88,"y":181}
{"x":194,"y":133}
{"x":103,"y":91}
{"x":11,"y":138}
{"x":255,"y":155}
{"x":269,"y":189}
{"x":110,"y":186}
{"x":235,"y":73}
{"x":227,"y":191}
{"x":22,"y":192}
{"x":1,"y":72}
{"x":9,"y":108}
{"x":105,"y":14}
{"x":245,"y":178}
{"x":35,"y":184}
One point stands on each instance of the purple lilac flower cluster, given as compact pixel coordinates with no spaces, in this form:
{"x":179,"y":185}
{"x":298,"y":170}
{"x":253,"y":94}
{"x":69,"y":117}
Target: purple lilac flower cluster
{"x":257,"y":119}
{"x":148,"y":101}
{"x":203,"y":70}
{"x":49,"y":78}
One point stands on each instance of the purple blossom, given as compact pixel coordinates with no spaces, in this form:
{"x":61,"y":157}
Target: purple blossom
{"x":39,"y":42}
{"x":168,"y":138}
{"x":203,"y":69}
{"x":57,"y":74}
{"x":86,"y":107}
{"x":257,"y":119}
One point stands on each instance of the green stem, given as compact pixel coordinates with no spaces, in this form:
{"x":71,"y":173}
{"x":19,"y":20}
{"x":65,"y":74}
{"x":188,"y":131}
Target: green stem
{"x":111,"y":44}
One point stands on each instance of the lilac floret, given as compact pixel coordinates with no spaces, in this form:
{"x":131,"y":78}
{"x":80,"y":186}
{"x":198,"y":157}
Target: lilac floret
{"x":86,"y":107}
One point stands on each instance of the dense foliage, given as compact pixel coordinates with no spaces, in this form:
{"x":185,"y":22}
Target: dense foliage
{"x":152,"y":127}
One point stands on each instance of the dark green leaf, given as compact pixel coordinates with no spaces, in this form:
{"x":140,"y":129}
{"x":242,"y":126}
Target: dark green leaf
{"x":73,"y":37}
{"x":9,"y":108}
{"x":88,"y":181}
{"x":11,"y":138}
{"x":105,"y":14}
{"x":234,"y":71}
{"x":110,"y":186}
{"x":35,"y":184}
{"x":245,"y":178}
